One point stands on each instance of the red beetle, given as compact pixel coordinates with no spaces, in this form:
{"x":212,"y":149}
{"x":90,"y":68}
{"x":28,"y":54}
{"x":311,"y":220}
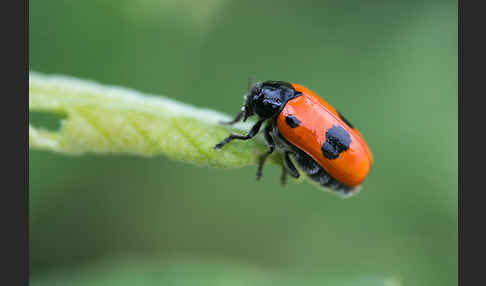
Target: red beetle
{"x":309,"y":132}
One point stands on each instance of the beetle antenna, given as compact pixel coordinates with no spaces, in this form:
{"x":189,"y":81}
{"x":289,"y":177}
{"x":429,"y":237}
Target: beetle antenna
{"x":246,"y":115}
{"x":236,"y":119}
{"x":251,"y":81}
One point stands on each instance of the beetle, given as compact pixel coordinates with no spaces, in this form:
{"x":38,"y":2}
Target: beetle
{"x":309,"y":132}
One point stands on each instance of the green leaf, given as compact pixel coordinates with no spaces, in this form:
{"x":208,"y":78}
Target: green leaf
{"x":115,"y":120}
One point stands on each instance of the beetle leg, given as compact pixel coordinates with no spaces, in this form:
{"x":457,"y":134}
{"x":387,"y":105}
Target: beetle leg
{"x":271,"y":148}
{"x":283,"y":178}
{"x":254,"y":131}
{"x":289,"y":166}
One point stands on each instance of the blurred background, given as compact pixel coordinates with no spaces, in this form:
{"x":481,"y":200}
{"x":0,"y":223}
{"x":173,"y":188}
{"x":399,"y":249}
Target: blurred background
{"x":389,"y":66}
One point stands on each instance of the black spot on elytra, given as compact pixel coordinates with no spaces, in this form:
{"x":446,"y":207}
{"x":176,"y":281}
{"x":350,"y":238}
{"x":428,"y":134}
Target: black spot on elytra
{"x":292,"y":121}
{"x":337,"y":141}
{"x":345,"y":120}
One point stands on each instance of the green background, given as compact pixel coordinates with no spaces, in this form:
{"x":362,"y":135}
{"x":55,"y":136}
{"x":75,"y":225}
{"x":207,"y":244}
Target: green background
{"x":389,"y":66}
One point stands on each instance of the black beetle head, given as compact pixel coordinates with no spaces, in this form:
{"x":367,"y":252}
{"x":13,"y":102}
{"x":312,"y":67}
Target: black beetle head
{"x":266,"y":99}
{"x":252,"y":96}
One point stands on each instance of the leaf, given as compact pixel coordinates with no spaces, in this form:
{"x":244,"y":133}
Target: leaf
{"x":115,"y":120}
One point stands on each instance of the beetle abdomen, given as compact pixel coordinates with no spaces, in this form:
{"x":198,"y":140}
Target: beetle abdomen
{"x":317,"y":174}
